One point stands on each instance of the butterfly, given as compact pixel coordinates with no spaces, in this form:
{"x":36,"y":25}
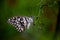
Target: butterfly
{"x":21,"y":23}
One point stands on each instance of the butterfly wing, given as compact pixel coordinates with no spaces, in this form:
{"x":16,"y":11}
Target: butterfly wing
{"x":20,"y":23}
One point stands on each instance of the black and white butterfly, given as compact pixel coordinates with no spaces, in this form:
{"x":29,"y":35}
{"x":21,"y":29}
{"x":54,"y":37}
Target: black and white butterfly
{"x":21,"y":23}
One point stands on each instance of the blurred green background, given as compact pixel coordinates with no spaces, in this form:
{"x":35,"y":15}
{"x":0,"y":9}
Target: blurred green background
{"x":45,"y":24}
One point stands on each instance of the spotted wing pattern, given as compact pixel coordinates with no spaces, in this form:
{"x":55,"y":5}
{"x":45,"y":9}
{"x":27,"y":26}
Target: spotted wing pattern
{"x":21,"y":23}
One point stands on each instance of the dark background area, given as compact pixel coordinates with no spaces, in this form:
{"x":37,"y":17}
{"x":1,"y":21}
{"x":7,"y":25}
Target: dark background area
{"x":47,"y":25}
